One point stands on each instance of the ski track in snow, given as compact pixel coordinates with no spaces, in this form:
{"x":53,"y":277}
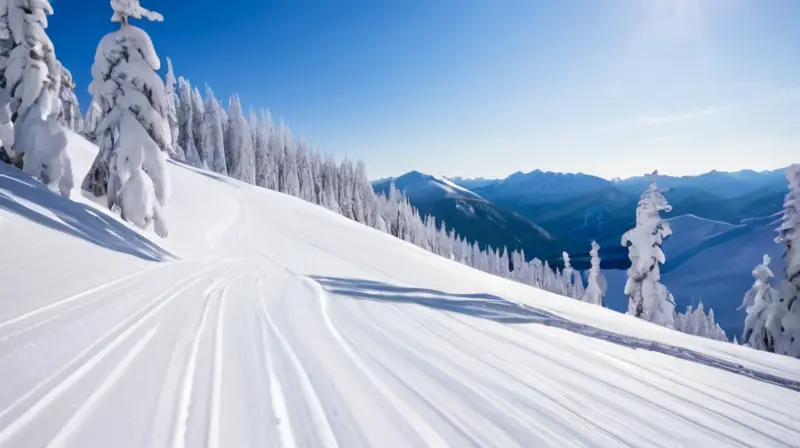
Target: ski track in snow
{"x":324,"y":431}
{"x":427,"y":433}
{"x":79,"y":417}
{"x":216,"y":385}
{"x":187,"y":384}
{"x":286,"y":325}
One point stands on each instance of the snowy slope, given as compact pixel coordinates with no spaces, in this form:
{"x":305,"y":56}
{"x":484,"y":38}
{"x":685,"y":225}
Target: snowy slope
{"x":272,"y":322}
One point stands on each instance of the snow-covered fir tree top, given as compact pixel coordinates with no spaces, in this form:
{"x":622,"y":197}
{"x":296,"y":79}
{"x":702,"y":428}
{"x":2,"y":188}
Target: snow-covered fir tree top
{"x":126,"y":9}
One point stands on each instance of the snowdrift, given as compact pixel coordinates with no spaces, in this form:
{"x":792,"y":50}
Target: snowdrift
{"x":264,"y":320}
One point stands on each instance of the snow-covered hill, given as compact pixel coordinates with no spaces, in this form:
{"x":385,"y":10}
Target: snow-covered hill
{"x":266,"y":321}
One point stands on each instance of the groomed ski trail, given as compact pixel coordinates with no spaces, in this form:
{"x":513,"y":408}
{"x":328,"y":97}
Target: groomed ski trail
{"x":279,"y":323}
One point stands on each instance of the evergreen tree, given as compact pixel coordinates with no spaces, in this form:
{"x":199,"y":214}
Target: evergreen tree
{"x":306,"y":185}
{"x":31,"y":65}
{"x":204,"y":151}
{"x":330,"y":181}
{"x":289,"y":183}
{"x":261,"y":135}
{"x":133,"y":135}
{"x":186,"y":140}
{"x":698,"y":323}
{"x":6,"y":126}
{"x":240,"y":144}
{"x":213,"y":135}
{"x":31,"y":76}
{"x":92,"y":120}
{"x":70,"y":113}
{"x":271,"y":152}
{"x":43,"y":141}
{"x":595,"y":291}
{"x":789,"y":341}
{"x":648,"y":298}
{"x":175,"y":151}
{"x":761,"y":328}
{"x":566,"y":279}
{"x":316,"y":174}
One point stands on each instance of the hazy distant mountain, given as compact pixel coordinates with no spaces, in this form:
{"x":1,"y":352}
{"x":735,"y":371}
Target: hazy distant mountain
{"x":473,"y":216}
{"x":578,"y":208}
{"x":540,"y":186}
{"x":424,"y":187}
{"x":723,"y":184}
{"x":472,"y":184}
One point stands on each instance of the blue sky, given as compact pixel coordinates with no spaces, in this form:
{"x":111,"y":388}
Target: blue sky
{"x":486,"y":88}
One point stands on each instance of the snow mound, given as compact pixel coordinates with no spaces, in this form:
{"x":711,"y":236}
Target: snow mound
{"x":264,"y":320}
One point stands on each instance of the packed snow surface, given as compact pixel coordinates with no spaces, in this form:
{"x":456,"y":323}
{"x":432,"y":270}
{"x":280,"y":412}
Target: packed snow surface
{"x":266,"y":321}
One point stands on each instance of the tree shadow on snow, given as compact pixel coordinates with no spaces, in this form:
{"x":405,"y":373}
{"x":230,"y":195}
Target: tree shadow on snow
{"x":17,"y":191}
{"x":487,"y":306}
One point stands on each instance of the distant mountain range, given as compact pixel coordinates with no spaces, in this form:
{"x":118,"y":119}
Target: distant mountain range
{"x":722,"y":225}
{"x":473,"y":217}
{"x":566,"y":211}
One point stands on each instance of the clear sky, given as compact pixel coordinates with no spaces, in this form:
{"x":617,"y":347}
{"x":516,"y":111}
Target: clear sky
{"x":486,"y":87}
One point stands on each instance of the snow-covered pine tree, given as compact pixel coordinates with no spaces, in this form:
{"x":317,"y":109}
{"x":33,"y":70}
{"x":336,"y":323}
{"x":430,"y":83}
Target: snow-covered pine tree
{"x":761,"y":302}
{"x":363,"y":193}
{"x":186,"y":140}
{"x":316,"y":174}
{"x":6,"y":43}
{"x":504,"y":264}
{"x":330,"y":181}
{"x":572,"y":281}
{"x":70,"y":113}
{"x":290,"y":181}
{"x":90,"y":122}
{"x":789,"y":234}
{"x":272,"y":152}
{"x":43,"y":141}
{"x":29,"y":68}
{"x":175,"y":150}
{"x":346,"y":188}
{"x":31,"y":65}
{"x":698,"y":323}
{"x":213,"y":135}
{"x":714,"y":331}
{"x":240,"y":144}
{"x":6,"y":125}
{"x":198,"y":127}
{"x":595,"y":290}
{"x":577,"y":285}
{"x":133,"y":134}
{"x":648,"y":298}
{"x":263,"y":160}
{"x":306,"y":190}
{"x":225,"y":128}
